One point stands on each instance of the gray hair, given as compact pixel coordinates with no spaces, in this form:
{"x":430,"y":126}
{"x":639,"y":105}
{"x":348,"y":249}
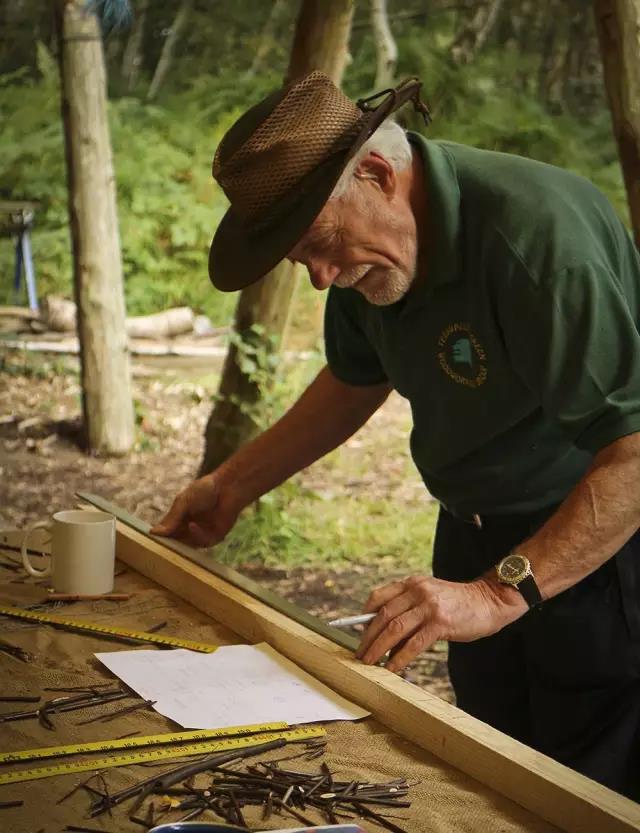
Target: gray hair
{"x":390,"y":141}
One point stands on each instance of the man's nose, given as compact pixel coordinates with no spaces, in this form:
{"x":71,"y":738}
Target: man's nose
{"x":322,"y":275}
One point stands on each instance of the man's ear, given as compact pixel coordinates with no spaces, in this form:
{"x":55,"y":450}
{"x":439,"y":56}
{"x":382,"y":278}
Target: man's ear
{"x":379,"y":171}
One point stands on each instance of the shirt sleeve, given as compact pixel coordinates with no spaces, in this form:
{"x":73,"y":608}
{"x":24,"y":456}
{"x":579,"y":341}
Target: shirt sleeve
{"x":350,"y":354}
{"x":574,"y":340}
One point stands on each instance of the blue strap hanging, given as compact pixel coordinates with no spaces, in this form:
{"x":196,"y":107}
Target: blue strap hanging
{"x":113,"y":14}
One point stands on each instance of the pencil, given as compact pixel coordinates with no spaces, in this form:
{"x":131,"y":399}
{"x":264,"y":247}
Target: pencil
{"x":362,"y":619}
{"x":92,"y":597}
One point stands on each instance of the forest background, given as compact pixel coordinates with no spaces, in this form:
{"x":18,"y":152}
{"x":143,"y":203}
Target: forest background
{"x":520,"y":76}
{"x":534,"y":87}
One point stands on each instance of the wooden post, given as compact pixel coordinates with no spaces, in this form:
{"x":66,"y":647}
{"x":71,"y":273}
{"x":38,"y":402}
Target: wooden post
{"x":320,"y":42}
{"x":618,"y":24}
{"x":97,"y":265}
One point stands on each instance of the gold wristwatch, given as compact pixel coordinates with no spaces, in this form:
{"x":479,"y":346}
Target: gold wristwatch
{"x":515,"y":570}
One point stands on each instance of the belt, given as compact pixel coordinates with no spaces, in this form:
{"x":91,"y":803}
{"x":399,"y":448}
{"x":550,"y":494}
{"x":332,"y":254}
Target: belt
{"x":480,"y":520}
{"x":472,"y":518}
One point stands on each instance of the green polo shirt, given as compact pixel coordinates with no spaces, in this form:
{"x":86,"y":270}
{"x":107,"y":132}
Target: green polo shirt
{"x":519,"y":352}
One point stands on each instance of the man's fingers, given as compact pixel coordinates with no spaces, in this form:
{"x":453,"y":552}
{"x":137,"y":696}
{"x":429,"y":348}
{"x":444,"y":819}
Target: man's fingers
{"x":421,"y":640}
{"x":386,"y":614}
{"x":200,"y":537}
{"x":382,"y":595}
{"x":397,"y":630}
{"x":172,"y":520}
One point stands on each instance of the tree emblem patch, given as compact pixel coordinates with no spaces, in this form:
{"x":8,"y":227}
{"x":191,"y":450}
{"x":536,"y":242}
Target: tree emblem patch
{"x":461,"y":356}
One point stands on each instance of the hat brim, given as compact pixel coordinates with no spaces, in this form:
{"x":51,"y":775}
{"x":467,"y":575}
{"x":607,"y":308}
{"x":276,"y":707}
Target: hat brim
{"x":240,"y":256}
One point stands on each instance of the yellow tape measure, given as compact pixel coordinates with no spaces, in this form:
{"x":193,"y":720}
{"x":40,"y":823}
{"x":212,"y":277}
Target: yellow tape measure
{"x":160,"y":639}
{"x":134,"y":743}
{"x":307,"y":733}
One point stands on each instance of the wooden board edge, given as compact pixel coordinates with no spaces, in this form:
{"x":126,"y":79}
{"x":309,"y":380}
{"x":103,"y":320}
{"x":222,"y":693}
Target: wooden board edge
{"x":550,"y":790}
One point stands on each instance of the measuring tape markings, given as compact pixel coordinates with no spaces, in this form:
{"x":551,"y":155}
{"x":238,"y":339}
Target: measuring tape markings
{"x":160,"y":639}
{"x":306,"y":733}
{"x":133,"y":743}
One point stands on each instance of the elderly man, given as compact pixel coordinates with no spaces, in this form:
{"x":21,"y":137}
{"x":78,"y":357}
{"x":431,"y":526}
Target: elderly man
{"x":501,"y":297}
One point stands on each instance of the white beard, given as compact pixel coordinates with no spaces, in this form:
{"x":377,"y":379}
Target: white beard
{"x":383,"y":285}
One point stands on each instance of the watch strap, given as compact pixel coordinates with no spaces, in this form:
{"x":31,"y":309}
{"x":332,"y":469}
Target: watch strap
{"x":529,"y":590}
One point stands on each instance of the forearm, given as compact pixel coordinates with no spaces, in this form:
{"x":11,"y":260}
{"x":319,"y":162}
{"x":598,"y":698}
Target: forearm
{"x":590,"y":526}
{"x":595,"y":520}
{"x":326,"y":415}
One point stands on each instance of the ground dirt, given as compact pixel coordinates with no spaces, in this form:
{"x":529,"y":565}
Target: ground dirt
{"x":42,"y":467}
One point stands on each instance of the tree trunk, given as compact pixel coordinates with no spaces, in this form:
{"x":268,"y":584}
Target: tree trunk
{"x":321,"y":39}
{"x":166,"y":56}
{"x":386,"y":49}
{"x":97,"y":265}
{"x":474,"y":35}
{"x":132,"y":57}
{"x":266,"y":38}
{"x":320,"y":42}
{"x":618,"y":24}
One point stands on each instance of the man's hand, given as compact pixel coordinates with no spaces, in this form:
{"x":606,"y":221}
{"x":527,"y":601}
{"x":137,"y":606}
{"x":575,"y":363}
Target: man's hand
{"x":418,"y":611}
{"x":201,"y":515}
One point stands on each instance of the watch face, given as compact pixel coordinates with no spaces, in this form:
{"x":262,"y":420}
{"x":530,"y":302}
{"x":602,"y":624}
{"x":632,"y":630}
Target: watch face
{"x":513,"y":568}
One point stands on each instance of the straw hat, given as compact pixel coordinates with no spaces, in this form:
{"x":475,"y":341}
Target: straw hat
{"x":278,"y":165}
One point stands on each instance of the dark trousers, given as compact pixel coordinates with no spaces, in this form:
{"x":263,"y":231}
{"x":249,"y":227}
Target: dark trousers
{"x":565,"y":678}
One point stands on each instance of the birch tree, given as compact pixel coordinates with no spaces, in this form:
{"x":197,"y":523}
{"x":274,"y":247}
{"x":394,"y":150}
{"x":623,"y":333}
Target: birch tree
{"x":386,"y":49}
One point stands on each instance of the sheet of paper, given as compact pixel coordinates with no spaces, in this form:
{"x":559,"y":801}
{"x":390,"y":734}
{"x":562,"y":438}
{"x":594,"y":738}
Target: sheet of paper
{"x":235,"y":685}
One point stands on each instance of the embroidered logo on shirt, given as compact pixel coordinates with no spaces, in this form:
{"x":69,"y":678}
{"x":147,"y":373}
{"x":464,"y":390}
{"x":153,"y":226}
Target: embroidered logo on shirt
{"x":461,"y":352}
{"x":461,"y":356}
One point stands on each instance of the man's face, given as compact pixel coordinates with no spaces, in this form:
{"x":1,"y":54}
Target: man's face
{"x":365,"y":240}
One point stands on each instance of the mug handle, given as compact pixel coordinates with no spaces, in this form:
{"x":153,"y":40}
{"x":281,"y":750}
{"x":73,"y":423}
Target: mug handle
{"x":33,"y":571}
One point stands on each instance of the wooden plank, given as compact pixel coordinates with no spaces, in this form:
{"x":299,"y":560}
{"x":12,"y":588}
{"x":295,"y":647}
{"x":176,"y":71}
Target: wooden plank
{"x":548,"y":789}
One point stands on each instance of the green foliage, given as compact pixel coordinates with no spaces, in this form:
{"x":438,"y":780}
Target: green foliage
{"x":32,"y":166}
{"x":276,"y":381}
{"x":33,"y":366}
{"x":168,"y":203}
{"x":293,"y":526}
{"x":492,"y":104}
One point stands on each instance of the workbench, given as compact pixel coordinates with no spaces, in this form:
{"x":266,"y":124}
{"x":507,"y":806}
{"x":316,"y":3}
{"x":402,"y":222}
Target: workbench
{"x":466,"y":776}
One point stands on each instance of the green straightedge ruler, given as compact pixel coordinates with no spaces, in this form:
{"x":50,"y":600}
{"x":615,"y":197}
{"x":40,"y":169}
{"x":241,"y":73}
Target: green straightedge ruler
{"x":206,"y":559}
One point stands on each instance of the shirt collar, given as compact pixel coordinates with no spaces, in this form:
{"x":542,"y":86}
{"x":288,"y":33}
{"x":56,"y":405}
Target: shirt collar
{"x":443,"y":200}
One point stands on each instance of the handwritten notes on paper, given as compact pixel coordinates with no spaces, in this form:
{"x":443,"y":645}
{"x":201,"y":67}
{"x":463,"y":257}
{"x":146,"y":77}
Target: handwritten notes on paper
{"x":235,"y":685}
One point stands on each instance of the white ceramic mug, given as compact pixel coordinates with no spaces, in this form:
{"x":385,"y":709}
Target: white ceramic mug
{"x":83,"y":546}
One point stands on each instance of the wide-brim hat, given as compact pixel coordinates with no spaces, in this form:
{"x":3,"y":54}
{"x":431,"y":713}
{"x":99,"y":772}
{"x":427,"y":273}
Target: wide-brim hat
{"x":278,"y":165}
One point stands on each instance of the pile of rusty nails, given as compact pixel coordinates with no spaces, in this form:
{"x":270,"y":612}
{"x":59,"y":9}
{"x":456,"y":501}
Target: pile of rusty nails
{"x":266,"y":784}
{"x":82,"y":697}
